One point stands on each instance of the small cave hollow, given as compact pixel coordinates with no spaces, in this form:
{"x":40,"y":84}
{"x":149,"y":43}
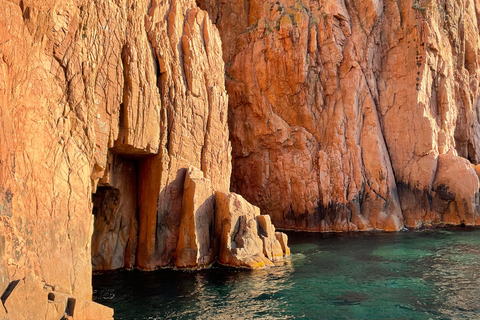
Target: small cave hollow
{"x":115,"y":210}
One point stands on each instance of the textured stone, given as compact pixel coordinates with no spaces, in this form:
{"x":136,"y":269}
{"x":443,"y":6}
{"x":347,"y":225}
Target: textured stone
{"x":88,"y":310}
{"x":196,"y":247}
{"x":30,"y":299}
{"x":307,"y":141}
{"x":283,"y":239}
{"x":100,"y":96}
{"x":341,"y":109}
{"x":24,"y":300}
{"x":344,"y":116}
{"x":115,"y":234}
{"x":456,"y":200}
{"x":194,"y":124}
{"x":244,"y":242}
{"x":272,"y":249}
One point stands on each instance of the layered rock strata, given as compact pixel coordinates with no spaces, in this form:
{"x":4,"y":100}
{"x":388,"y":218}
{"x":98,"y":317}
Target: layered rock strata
{"x":342,"y":112}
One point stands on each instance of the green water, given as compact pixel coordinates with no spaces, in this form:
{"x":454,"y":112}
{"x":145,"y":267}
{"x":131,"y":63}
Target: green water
{"x":431,"y":274}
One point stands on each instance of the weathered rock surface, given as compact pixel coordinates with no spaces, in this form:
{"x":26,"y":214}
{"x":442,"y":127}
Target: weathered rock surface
{"x":194,"y":124}
{"x":247,"y":239}
{"x":340,"y":110}
{"x":196,"y":246}
{"x":115,"y":232}
{"x":456,"y":191}
{"x":108,"y":97}
{"x":32,"y":299}
{"x":226,"y":226}
{"x":104,"y":105}
{"x":343,"y":115}
{"x":283,"y":239}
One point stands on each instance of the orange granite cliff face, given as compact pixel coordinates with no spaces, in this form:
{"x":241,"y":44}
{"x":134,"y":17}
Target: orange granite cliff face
{"x":354,"y":114}
{"x":104,"y":107}
{"x":119,"y":144}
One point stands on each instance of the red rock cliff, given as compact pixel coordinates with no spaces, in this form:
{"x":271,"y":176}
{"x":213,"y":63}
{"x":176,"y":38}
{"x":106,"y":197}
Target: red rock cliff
{"x":115,"y":99}
{"x":343,"y":115}
{"x":106,"y":110}
{"x":355,"y":114}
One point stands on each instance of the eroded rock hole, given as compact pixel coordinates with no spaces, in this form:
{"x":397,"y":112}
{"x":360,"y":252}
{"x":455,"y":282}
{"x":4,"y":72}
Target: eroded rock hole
{"x":70,"y":307}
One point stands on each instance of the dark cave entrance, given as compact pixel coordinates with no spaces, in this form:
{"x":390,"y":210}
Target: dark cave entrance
{"x":115,"y":210}
{"x":125,"y":203}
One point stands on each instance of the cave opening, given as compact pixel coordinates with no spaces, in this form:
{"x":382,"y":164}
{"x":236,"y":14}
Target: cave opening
{"x":115,"y":210}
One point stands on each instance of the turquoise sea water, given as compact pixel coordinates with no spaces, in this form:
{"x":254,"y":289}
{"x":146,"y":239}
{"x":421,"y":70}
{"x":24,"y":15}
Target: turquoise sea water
{"x":432,"y":274}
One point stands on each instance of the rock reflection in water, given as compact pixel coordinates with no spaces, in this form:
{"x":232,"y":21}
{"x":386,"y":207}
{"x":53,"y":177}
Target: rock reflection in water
{"x":237,"y":295}
{"x":217,"y":293}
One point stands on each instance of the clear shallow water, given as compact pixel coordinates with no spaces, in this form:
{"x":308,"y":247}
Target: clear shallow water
{"x":433,"y":274}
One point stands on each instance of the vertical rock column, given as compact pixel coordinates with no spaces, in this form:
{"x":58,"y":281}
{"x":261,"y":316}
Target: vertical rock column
{"x":194,"y":129}
{"x":196,"y":246}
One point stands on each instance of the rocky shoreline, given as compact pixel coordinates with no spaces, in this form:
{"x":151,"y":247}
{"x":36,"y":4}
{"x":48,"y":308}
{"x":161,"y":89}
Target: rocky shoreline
{"x":153,"y":134}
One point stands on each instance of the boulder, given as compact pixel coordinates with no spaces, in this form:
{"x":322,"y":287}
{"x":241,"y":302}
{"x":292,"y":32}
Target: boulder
{"x":247,"y":239}
{"x":455,"y":191}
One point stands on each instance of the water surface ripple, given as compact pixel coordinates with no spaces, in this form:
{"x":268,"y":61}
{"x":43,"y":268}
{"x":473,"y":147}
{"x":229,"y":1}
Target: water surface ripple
{"x":432,"y":274}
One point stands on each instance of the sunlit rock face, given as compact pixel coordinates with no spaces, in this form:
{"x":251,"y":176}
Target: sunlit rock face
{"x":342,"y":112}
{"x":31,"y":299}
{"x":247,"y":239}
{"x":224,"y":227}
{"x":108,"y":98}
{"x":343,"y":115}
{"x":105,"y":105}
{"x":197,"y":246}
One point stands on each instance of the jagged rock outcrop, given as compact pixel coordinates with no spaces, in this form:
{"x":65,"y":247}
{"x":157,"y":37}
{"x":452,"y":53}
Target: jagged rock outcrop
{"x":247,"y":239}
{"x":225,"y":227}
{"x":341,"y":110}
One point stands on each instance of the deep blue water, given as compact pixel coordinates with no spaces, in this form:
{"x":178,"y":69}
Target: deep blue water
{"x":432,"y":274}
